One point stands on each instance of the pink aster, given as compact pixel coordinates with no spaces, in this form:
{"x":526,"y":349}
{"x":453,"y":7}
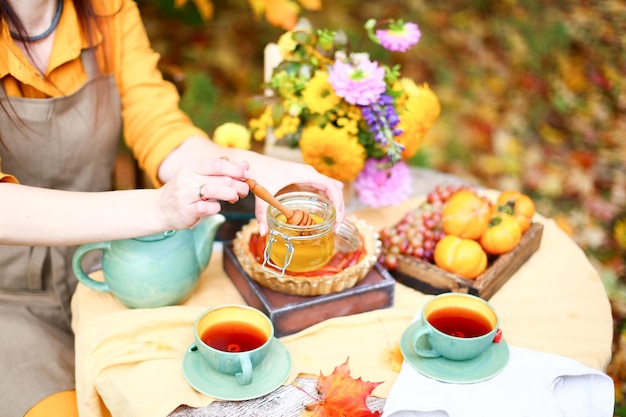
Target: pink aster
{"x":380,"y":187}
{"x":399,"y":37}
{"x":359,"y":85}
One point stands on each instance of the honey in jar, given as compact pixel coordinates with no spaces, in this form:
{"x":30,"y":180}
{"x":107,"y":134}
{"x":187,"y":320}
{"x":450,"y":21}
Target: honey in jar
{"x":300,"y":248}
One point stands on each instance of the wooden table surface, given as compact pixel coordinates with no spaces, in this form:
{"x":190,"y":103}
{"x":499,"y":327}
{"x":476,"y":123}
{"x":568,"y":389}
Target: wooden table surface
{"x":557,"y":282}
{"x":289,"y":400}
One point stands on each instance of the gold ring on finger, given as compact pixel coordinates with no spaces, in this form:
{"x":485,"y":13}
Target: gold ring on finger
{"x":201,"y":193}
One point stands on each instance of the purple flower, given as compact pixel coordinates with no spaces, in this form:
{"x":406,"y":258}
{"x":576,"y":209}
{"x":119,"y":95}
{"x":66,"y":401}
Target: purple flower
{"x":382,"y":119}
{"x":379,"y":185}
{"x":361,"y":84}
{"x":399,"y":37}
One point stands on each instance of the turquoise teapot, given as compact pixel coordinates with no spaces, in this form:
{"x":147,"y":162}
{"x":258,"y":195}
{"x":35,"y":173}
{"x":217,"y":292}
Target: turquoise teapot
{"x":155,"y":270}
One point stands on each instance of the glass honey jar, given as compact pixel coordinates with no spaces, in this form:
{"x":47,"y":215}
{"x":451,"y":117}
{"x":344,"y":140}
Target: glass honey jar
{"x":299,"y":248}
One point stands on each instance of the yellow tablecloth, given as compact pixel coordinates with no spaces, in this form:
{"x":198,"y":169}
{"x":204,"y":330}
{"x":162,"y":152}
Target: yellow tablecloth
{"x":130,"y":360}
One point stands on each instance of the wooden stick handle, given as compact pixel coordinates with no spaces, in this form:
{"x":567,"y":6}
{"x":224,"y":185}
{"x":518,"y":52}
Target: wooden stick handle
{"x":261,"y":192}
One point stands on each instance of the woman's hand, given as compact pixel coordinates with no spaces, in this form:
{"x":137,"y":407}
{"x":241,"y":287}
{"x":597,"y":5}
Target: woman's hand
{"x":198,"y":186}
{"x":44,"y":217}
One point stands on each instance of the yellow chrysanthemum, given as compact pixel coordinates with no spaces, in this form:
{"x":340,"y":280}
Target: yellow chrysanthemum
{"x":420,"y":112}
{"x":346,"y":116}
{"x":286,"y":44}
{"x":333,"y":152}
{"x":293,"y":105}
{"x":408,"y":86}
{"x":319,"y":95}
{"x":259,"y":126}
{"x":232,"y":135}
{"x":351,"y":125}
{"x":398,"y":90}
{"x":424,"y":101}
{"x":288,"y":125}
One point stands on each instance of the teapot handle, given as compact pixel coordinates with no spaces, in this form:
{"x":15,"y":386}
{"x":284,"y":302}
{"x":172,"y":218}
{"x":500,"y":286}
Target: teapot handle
{"x":80,"y":253}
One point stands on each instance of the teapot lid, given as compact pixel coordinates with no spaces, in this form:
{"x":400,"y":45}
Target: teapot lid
{"x":156,"y":236}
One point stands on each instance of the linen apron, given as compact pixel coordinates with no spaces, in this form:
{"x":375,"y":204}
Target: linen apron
{"x":67,"y":143}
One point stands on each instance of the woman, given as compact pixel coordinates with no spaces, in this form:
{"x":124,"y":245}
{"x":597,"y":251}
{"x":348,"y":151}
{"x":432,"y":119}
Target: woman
{"x":75,"y":76}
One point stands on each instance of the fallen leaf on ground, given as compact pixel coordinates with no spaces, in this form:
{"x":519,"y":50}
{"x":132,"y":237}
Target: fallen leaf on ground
{"x":342,"y":395}
{"x":395,"y":358}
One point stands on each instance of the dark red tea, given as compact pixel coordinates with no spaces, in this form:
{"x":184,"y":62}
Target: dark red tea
{"x":459,"y":322}
{"x":233,"y":336}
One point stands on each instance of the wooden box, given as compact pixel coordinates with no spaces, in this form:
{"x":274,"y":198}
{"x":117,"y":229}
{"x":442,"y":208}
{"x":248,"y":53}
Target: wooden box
{"x":292,"y":313}
{"x":430,"y":279}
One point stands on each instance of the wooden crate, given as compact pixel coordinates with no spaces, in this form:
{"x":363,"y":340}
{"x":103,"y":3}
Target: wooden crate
{"x":430,"y":279}
{"x":292,"y":313}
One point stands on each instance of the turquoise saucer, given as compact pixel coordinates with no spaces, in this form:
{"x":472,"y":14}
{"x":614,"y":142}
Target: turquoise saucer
{"x":268,"y":375}
{"x":485,"y":366}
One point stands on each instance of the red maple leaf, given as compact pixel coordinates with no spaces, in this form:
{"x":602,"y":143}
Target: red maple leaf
{"x":342,"y":396}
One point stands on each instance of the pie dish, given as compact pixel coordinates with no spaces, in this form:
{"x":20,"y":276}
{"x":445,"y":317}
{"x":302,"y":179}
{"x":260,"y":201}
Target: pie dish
{"x":355,"y":233}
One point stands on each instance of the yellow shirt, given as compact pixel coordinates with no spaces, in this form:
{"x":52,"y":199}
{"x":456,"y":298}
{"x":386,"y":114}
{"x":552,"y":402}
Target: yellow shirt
{"x":153,"y":124}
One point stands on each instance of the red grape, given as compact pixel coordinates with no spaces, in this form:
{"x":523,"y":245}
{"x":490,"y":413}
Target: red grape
{"x":419,"y":230}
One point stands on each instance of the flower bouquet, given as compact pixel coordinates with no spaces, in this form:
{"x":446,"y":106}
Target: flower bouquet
{"x":353,"y":118}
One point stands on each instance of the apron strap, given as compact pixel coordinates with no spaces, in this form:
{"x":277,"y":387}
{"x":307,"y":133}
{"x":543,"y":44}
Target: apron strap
{"x":90,"y":63}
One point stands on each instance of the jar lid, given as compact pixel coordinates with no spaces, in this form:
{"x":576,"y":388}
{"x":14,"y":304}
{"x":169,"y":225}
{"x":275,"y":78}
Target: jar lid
{"x":315,"y":205}
{"x":347,"y":237}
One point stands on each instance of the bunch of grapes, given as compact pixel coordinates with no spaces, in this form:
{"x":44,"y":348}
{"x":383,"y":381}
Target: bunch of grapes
{"x":417,"y":233}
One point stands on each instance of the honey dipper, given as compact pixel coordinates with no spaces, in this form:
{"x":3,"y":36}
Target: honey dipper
{"x":293,"y":217}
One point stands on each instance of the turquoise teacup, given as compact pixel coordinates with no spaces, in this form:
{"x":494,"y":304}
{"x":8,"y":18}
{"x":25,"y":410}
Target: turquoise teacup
{"x":457,"y":326}
{"x":233,"y":339}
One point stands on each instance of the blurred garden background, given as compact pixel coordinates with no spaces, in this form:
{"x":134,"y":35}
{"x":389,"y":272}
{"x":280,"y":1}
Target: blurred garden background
{"x":532,"y":93}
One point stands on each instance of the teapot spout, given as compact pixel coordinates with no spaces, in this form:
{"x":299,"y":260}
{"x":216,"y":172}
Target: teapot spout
{"x":204,"y":236}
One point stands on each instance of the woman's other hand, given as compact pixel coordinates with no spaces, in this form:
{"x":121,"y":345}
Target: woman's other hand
{"x":275,"y":175}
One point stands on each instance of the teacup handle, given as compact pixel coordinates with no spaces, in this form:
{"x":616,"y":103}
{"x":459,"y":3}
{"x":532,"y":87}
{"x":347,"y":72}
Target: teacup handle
{"x":80,"y":253}
{"x":427,"y":353}
{"x":245,"y":376}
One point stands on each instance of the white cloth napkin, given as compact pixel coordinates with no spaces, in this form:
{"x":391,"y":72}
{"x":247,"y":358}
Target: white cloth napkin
{"x":532,"y":384}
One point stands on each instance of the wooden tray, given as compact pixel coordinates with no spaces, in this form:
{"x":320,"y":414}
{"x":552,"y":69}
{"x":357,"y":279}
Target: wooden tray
{"x":292,"y":313}
{"x":430,"y":279}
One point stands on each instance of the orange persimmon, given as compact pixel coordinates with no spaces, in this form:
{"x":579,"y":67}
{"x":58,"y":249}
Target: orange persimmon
{"x":466,"y":214}
{"x":460,"y":256}
{"x":502,"y":235}
{"x":518,"y":205}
